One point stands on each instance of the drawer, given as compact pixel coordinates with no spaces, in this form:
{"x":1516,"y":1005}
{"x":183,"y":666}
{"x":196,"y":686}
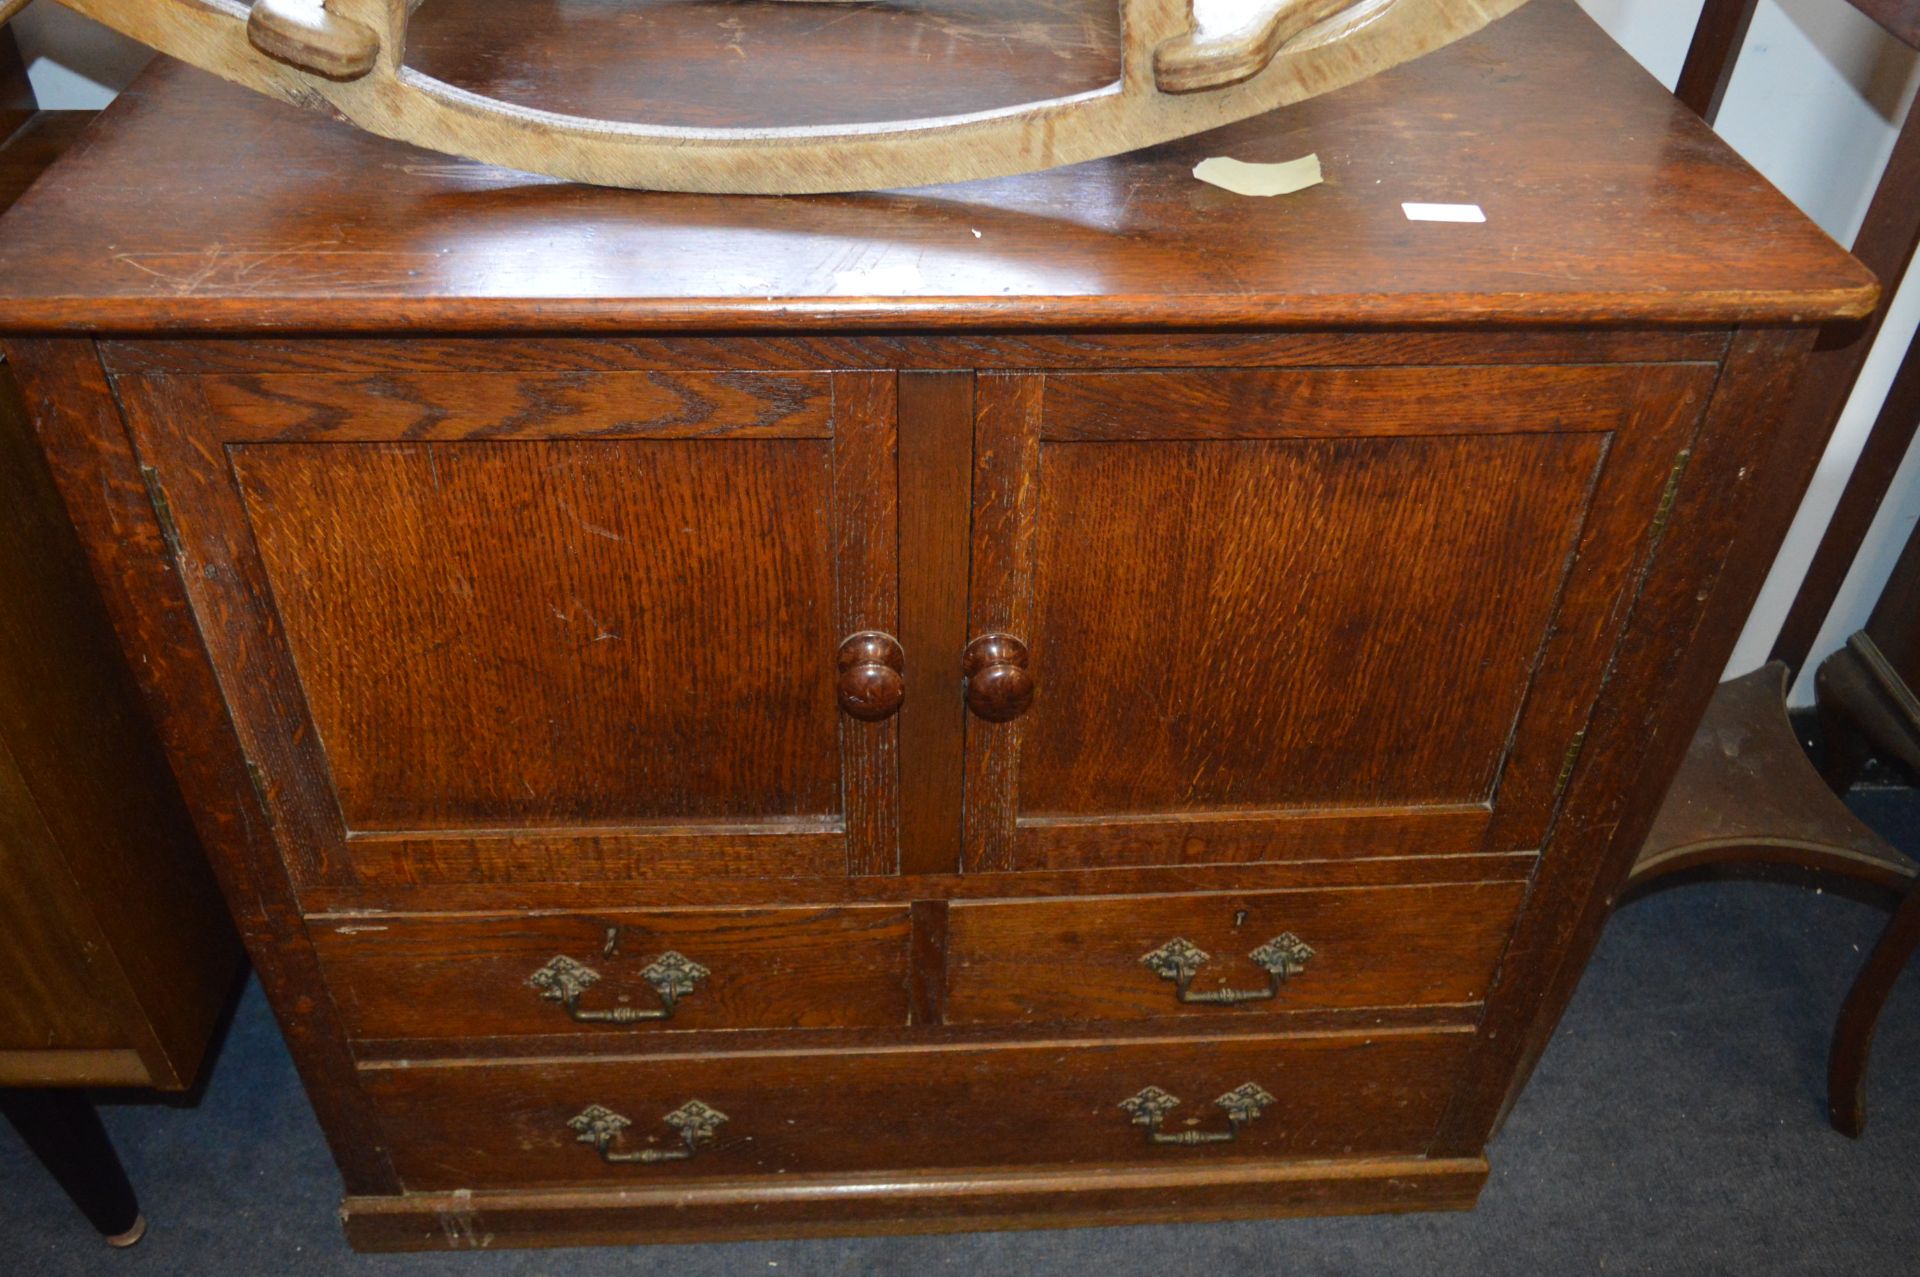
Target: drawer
{"x":1128,"y":957}
{"x":615,"y":973}
{"x":524,"y":1124}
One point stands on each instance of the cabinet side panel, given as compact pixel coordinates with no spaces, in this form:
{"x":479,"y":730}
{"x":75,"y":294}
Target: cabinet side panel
{"x":79,"y":427}
{"x":1725,"y":524}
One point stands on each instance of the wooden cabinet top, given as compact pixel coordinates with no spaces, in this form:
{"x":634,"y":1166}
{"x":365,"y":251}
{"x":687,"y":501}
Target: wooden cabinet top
{"x":194,"y":205}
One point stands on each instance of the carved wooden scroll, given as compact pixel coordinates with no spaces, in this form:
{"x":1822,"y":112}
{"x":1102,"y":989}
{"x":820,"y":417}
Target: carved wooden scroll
{"x":1186,"y":66}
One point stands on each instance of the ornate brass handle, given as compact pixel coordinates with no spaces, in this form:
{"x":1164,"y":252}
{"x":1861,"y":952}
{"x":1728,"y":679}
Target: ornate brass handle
{"x":872,"y":676}
{"x":1150,"y":1108}
{"x":672,"y":976}
{"x":601,"y":1126}
{"x":999,"y":688}
{"x":1178,"y":960}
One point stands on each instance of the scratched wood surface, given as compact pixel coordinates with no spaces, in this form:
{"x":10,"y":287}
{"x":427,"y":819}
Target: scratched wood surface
{"x":1632,"y":212}
{"x":1544,"y":441}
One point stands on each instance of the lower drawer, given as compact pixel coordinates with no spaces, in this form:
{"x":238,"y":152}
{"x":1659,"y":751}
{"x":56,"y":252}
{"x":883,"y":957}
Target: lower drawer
{"x":640,"y":1121}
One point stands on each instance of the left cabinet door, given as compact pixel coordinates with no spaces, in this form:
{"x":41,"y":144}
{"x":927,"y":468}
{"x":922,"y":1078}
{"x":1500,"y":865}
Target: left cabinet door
{"x":555,"y":627}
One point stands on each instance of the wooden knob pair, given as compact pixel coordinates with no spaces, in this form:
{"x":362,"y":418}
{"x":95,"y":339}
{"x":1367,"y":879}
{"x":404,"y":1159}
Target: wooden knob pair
{"x":873,"y":682}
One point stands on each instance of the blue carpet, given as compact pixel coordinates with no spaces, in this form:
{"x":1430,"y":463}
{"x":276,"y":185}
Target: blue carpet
{"x":1676,"y":1126}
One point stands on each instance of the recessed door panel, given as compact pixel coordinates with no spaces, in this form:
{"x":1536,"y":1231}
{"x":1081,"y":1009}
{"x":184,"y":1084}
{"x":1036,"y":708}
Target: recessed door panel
{"x":1269,"y":614}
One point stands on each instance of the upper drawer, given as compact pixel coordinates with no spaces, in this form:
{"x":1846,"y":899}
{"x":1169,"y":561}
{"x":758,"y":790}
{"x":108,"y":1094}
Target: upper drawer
{"x":615,"y":974}
{"x":1225,"y":954}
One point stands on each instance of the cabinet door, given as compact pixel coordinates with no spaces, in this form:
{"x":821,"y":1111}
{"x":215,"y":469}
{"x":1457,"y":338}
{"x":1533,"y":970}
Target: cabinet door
{"x":571,"y":627}
{"x":1266,"y":614}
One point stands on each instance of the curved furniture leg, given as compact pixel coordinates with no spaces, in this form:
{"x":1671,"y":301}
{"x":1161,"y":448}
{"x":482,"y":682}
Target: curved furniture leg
{"x":1853,"y":1035}
{"x":64,"y":1132}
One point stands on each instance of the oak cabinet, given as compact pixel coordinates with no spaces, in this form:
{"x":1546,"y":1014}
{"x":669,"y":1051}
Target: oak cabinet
{"x":1077,"y":700}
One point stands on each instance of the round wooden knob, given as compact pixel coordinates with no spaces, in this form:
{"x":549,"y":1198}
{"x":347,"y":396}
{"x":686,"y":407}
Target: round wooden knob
{"x":999,"y":688}
{"x":872,"y":676}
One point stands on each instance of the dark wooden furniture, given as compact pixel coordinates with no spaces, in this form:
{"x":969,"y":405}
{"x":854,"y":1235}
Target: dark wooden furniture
{"x":1747,"y":794}
{"x":115,"y":943}
{"x":722,"y":717}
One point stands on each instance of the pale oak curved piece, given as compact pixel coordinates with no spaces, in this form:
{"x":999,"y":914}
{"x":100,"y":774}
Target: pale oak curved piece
{"x":1267,"y":61}
{"x":305,"y":34}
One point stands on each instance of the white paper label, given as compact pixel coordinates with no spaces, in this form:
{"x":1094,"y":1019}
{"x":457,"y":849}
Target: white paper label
{"x":1444,"y":212}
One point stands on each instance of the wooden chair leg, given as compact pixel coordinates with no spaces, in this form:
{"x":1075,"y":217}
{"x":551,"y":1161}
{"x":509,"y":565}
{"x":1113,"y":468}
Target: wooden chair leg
{"x":64,"y":1132}
{"x":1853,"y":1035}
{"x":1846,"y":747}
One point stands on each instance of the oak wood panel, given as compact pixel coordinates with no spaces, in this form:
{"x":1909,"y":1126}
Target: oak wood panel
{"x":429,"y":758}
{"x":89,"y":809}
{"x":489,"y":1125}
{"x":1366,"y":526}
{"x":557,"y":633}
{"x":30,"y":142}
{"x":63,"y":988}
{"x":1339,"y":403}
{"x":1048,"y":961}
{"x":1278,"y":648}
{"x":402,"y":896}
{"x":936,"y":458}
{"x":1111,"y":841}
{"x":654,"y":854}
{"x":74,"y":414}
{"x":1006,"y":454}
{"x":1632,"y":214}
{"x":920,"y":1035}
{"x":964,"y":352}
{"x":1689,"y":611}
{"x":831,"y":1206}
{"x":866,"y":560}
{"x":462,"y":976}
{"x":74,"y":1066}
{"x":432,"y":406}
{"x":1046,"y":50}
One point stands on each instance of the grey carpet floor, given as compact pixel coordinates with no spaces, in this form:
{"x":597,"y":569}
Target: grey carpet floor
{"x":1676,"y":1126}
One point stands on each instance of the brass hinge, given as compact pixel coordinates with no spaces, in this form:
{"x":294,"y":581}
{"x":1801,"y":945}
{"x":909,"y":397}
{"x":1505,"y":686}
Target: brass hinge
{"x":1664,"y":510}
{"x":162,"y":509}
{"x":1566,"y":765}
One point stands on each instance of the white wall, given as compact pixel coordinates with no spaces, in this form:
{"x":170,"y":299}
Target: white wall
{"x":1813,"y":106}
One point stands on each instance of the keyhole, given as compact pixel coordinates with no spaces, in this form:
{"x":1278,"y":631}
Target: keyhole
{"x":1239,"y":918}
{"x":612,"y":947}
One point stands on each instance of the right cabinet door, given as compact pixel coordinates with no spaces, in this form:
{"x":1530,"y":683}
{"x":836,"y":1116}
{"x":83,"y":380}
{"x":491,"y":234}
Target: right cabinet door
{"x":1259,"y":614}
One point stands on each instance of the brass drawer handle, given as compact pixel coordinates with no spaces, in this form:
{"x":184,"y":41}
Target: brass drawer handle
{"x":1150,"y":1108}
{"x":672,"y":976}
{"x":601,"y":1126}
{"x":1179,"y":960}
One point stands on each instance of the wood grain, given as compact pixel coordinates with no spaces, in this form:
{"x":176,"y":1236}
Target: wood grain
{"x":1053,"y":961}
{"x":491,"y":1125}
{"x":831,"y":1206}
{"x":936,"y":457}
{"x":552,"y":405}
{"x":461,"y":977}
{"x":347,"y":59}
{"x":1632,"y":215}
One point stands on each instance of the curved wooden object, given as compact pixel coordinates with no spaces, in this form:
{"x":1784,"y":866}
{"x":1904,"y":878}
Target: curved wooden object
{"x":1186,"y":66}
{"x":1748,"y":795}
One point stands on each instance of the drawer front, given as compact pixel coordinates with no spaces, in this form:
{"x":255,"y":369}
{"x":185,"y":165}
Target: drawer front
{"x":614,"y":974}
{"x":500,"y":1125}
{"x":1225,"y":954}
